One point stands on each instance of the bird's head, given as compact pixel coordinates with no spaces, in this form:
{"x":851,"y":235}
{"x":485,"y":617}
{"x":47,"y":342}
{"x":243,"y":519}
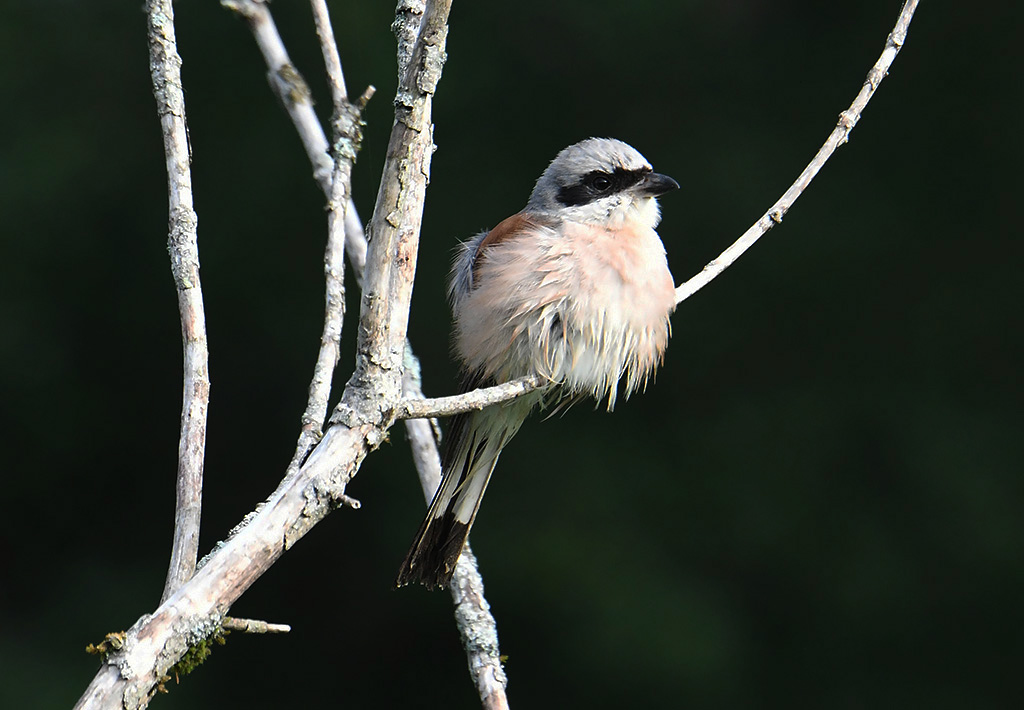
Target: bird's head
{"x":600,"y":181}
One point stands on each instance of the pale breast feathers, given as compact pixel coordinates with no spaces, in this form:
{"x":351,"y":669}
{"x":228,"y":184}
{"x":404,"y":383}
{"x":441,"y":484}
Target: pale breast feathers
{"x":580,"y":306}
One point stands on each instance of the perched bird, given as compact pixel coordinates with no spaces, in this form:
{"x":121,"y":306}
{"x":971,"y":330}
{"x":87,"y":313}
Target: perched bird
{"x":576,"y":289}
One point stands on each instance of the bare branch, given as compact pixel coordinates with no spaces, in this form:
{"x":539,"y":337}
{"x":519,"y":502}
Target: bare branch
{"x":288,"y":85}
{"x":330,"y":340}
{"x":332,"y":60}
{"x":355,"y":242}
{"x":847,"y":120}
{"x":396,"y":219}
{"x":131,"y":675}
{"x":253,"y":626}
{"x":395,"y":225}
{"x":422,"y":435}
{"x":473,"y":618}
{"x":347,"y":126}
{"x":479,"y":632}
{"x":157,"y":641}
{"x":468,"y":401}
{"x":183,"y":245}
{"x":293,"y":92}
{"x":334,"y":178}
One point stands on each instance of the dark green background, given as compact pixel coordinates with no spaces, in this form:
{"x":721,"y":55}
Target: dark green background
{"x":818,"y":503}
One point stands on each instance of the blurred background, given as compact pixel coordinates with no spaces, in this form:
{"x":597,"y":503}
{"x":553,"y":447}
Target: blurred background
{"x":816,"y":505}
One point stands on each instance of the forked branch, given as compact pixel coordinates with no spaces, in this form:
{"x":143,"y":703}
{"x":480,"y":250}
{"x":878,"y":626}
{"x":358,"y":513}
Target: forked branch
{"x":130,"y":676}
{"x":473,"y":617}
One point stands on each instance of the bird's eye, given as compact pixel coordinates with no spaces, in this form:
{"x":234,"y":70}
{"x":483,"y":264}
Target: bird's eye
{"x":600,"y":182}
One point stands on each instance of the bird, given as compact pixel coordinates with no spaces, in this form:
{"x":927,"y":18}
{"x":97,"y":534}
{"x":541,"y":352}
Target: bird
{"x":575,"y":289}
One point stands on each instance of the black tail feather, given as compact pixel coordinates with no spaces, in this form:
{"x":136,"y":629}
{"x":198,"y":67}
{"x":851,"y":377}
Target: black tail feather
{"x":438,"y":543}
{"x":471,"y":449}
{"x":432,"y":558}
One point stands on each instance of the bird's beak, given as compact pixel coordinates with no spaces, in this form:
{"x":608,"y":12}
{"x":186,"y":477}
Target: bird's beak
{"x":656,"y":184}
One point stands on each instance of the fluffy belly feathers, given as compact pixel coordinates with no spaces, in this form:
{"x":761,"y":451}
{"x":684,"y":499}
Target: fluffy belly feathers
{"x":583,"y":309}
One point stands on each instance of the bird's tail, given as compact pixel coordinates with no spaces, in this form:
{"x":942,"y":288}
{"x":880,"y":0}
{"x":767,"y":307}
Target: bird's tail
{"x":472,"y":446}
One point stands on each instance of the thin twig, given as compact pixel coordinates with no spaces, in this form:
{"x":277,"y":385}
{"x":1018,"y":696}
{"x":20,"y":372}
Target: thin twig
{"x":468,"y":401}
{"x":295,"y":96}
{"x":355,"y":242}
{"x":183,"y":245}
{"x":332,"y":60}
{"x":847,"y":120}
{"x":288,"y":85}
{"x":253,"y":626}
{"x":317,"y":402}
{"x":334,"y":178}
{"x":293,"y":92}
{"x":346,"y":135}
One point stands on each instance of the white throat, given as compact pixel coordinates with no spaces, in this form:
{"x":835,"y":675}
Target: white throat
{"x":615,"y":212}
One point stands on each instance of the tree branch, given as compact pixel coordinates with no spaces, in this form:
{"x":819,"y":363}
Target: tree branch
{"x":475,"y":623}
{"x":479,"y":632}
{"x":477,"y":626}
{"x":292,"y":91}
{"x":332,"y":60}
{"x":347,"y":128}
{"x":330,"y":339}
{"x":253,"y":626}
{"x":418,"y":408}
{"x":183,"y":246}
{"x":847,"y":120}
{"x":288,"y":85}
{"x":395,"y":233}
{"x":158,"y":640}
{"x":394,"y":227}
{"x":334,"y":178}
{"x":130,"y":676}
{"x":473,"y":618}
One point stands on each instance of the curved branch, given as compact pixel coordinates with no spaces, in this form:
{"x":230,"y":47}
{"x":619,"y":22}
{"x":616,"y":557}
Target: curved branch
{"x":183,"y":246}
{"x":847,"y":120}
